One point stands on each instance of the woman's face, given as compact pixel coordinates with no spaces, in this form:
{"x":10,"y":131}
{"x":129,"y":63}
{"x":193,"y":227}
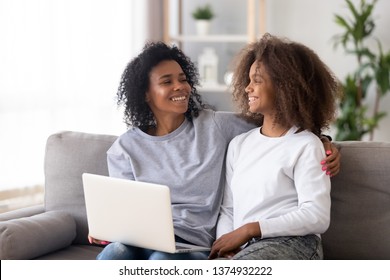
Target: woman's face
{"x":169,"y":90}
{"x":260,"y":90}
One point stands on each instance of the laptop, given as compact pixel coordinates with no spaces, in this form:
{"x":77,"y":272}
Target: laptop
{"x":132,"y":212}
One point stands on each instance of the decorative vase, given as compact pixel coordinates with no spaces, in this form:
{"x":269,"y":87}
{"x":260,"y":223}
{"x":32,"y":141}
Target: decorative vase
{"x":208,"y":66}
{"x":202,"y":27}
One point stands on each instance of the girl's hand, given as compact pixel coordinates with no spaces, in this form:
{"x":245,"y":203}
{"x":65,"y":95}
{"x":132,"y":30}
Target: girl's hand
{"x":229,"y":244}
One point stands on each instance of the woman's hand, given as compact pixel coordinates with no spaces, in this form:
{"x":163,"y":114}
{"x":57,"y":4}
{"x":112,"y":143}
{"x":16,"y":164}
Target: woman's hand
{"x":331,"y":164}
{"x":97,"y":241}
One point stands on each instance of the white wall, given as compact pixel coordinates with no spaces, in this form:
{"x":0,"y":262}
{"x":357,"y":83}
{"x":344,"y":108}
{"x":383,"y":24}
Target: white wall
{"x":308,"y":21}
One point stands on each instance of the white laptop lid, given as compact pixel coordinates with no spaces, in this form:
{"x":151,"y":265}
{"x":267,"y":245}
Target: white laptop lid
{"x":131,"y":212}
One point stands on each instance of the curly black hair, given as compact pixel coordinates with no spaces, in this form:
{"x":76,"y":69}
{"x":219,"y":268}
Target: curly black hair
{"x":135,"y":83}
{"x":305,"y":88}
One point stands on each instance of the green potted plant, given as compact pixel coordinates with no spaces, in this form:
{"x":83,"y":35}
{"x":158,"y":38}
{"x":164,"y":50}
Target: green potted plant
{"x":372,"y":73}
{"x":203,"y":15}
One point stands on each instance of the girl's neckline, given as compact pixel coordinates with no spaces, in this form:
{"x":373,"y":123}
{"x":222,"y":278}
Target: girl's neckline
{"x":284,"y":132}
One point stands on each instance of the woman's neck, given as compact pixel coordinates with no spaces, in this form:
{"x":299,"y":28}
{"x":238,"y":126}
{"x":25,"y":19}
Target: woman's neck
{"x":166,"y":125}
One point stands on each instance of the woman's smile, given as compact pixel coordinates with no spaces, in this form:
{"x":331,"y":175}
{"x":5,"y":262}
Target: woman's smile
{"x":179,"y":98}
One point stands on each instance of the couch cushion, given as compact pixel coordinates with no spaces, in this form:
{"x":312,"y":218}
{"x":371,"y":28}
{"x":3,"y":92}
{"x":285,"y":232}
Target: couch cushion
{"x":360,"y":213}
{"x":33,"y":236}
{"x":74,"y":252}
{"x":22,"y":212}
{"x":68,"y":155}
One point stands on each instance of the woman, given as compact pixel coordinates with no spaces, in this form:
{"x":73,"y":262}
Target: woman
{"x":174,"y":140}
{"x":277,"y":200}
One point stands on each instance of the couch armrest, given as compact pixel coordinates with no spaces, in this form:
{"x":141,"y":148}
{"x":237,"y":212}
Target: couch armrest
{"x":30,"y":237}
{"x":22,"y":212}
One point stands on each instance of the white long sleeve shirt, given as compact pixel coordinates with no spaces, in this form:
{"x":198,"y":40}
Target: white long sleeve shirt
{"x":277,"y":182}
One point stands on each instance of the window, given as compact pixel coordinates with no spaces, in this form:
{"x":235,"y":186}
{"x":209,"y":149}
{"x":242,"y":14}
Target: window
{"x":60,"y":66}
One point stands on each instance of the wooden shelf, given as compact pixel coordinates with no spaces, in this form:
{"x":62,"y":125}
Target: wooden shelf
{"x":210,"y":38}
{"x":249,"y":35}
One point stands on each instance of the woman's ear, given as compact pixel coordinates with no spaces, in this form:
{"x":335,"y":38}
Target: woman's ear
{"x":147,"y":98}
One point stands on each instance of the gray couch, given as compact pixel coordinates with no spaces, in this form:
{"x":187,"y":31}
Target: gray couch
{"x":360,"y":221}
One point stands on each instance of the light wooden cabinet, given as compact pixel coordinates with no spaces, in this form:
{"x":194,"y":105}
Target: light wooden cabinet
{"x":255,"y":25}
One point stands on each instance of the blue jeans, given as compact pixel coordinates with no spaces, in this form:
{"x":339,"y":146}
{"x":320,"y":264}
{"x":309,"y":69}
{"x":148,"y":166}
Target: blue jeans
{"x":119,"y":251}
{"x":307,"y":247}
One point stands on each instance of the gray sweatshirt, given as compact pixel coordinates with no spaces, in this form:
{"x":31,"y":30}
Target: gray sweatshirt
{"x":190,"y":160}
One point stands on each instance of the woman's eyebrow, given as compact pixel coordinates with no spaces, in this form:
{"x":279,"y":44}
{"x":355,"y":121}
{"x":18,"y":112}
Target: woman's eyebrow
{"x":165,"y":76}
{"x":170,"y":75}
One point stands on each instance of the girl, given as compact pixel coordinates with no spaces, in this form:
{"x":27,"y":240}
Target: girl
{"x":277,"y":198}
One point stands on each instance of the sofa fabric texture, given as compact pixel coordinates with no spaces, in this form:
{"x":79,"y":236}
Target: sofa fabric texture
{"x":360,"y":211}
{"x":37,"y":233}
{"x":68,"y":156}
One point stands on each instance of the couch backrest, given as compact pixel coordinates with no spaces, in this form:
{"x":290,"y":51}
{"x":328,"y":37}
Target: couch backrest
{"x":360,"y":211}
{"x":68,"y":156}
{"x":360,"y":215}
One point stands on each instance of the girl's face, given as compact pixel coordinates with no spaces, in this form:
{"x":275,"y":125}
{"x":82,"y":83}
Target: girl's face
{"x":260,"y":90}
{"x":169,"y":90}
